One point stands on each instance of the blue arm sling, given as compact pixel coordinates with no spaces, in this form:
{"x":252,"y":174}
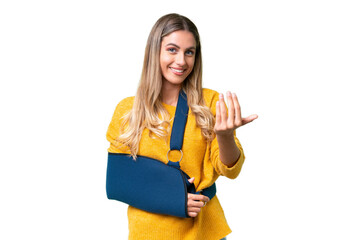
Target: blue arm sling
{"x":149,"y":184}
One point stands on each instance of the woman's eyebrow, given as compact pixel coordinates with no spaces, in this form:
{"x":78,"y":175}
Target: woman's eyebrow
{"x":173,"y":44}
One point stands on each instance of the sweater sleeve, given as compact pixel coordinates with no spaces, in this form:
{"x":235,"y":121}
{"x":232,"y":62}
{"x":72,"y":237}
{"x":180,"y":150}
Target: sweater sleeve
{"x":220,"y":168}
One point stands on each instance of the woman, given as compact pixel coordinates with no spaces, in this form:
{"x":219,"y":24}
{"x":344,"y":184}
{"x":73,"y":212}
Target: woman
{"x":141,"y":125}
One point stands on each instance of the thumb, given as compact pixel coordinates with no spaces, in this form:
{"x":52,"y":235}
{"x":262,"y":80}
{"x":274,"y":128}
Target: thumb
{"x":191,"y":180}
{"x":249,"y":119}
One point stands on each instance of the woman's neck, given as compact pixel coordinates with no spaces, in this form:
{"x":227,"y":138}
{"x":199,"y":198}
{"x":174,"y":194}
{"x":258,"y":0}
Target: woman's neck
{"x":170,"y":94}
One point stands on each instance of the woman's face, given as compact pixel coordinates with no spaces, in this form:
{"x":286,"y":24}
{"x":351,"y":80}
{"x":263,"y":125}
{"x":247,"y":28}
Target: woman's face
{"x":177,"y":56}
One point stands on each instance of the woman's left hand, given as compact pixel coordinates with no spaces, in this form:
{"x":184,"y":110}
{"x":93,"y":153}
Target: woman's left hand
{"x":226,"y":123}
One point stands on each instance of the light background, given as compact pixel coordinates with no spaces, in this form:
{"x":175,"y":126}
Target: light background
{"x":64,"y":65}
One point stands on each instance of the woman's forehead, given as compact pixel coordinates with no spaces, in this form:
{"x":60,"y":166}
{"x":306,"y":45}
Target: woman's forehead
{"x":180,"y":38}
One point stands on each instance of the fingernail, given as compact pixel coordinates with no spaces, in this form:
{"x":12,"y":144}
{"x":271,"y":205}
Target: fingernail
{"x":228,"y":94}
{"x":234,"y":95}
{"x":221,"y":96}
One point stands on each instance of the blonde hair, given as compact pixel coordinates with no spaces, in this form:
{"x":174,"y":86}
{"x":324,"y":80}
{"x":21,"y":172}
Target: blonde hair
{"x":147,"y":104}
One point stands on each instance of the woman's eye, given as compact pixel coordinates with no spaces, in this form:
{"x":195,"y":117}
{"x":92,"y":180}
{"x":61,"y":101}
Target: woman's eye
{"x":190,"y":53}
{"x":172,"y":50}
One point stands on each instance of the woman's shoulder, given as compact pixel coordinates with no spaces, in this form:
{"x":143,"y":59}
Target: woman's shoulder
{"x":209,"y":92}
{"x":128,"y":101}
{"x":210,"y":96}
{"x":125,"y":105}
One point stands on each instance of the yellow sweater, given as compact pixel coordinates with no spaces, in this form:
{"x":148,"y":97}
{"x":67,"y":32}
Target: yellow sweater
{"x":200,"y":160}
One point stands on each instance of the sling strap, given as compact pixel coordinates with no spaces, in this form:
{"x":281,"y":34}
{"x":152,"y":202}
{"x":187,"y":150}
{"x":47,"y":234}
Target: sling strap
{"x":177,"y":137}
{"x":181,"y":114}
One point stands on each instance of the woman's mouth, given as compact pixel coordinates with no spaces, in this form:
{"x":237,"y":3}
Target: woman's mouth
{"x":177,"y":71}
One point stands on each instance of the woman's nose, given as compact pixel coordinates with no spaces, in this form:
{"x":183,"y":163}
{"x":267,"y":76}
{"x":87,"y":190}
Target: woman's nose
{"x":180,"y":59}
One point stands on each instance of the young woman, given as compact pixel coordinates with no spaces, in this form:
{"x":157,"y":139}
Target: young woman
{"x":141,"y":125}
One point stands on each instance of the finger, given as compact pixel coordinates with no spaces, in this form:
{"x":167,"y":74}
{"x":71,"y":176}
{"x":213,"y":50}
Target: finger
{"x":195,"y":204}
{"x":222,"y":108}
{"x":191,"y":180}
{"x":238,"y":120}
{"x":218,"y":113}
{"x":231,"y":111}
{"x":192,"y":214}
{"x":194,"y":209}
{"x":198,"y":197}
{"x":249,"y":119}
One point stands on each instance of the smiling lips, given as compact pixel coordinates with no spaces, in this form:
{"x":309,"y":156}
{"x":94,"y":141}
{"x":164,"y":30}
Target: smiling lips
{"x":177,"y":71}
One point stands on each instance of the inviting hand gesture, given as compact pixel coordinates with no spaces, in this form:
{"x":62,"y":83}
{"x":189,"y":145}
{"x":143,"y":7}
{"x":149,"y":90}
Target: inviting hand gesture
{"x":226,"y":123}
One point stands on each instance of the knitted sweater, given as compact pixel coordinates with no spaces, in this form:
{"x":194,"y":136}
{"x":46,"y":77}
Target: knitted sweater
{"x":200,"y":160}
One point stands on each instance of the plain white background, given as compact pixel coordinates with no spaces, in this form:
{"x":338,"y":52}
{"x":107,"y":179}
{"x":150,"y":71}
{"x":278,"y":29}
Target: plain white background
{"x":64,"y":65}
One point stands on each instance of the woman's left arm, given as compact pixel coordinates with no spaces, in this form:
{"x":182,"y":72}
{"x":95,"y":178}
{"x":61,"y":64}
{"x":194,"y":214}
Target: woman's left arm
{"x":225,"y":125}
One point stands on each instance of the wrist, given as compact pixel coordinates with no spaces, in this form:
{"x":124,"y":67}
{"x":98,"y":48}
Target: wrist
{"x":227,"y":135}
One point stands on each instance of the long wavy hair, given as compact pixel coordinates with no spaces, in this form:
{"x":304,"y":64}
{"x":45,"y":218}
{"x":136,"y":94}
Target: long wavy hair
{"x":148,"y":111}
